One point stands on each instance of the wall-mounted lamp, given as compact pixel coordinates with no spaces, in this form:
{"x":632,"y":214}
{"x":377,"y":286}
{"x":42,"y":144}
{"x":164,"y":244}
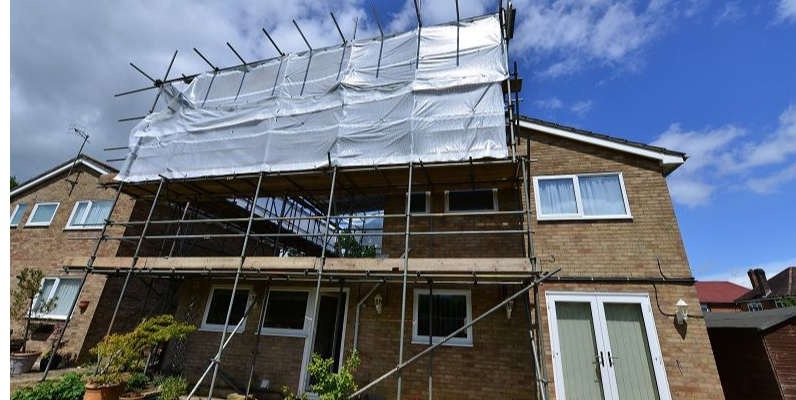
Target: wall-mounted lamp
{"x":682,"y":311}
{"x":509,"y":308}
{"x":377,"y":301}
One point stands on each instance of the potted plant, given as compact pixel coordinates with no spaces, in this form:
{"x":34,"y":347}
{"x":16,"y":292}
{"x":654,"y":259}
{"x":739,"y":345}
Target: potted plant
{"x":140,"y":387}
{"x":49,"y":357}
{"x":24,"y":306}
{"x":121,"y":354}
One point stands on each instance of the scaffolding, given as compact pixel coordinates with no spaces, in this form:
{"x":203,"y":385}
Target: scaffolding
{"x":305,"y":212}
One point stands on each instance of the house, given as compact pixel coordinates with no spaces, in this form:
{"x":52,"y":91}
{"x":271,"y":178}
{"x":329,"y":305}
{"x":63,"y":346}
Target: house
{"x":52,"y":215}
{"x":516,"y":258}
{"x":719,"y":296}
{"x":769,"y":293}
{"x":755,"y":353}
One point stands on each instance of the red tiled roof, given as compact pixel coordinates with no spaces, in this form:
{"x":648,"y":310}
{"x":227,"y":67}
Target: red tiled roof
{"x":719,"y":292}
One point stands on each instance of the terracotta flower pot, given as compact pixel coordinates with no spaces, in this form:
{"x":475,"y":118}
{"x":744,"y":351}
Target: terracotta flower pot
{"x":22,"y":362}
{"x":108,"y":392}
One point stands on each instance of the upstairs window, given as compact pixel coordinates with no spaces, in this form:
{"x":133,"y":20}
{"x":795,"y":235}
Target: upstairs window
{"x":754,"y":306}
{"x":421,"y":203}
{"x":452,"y":309}
{"x":19,"y":211}
{"x":587,"y":196}
{"x":218,"y":305}
{"x":471,"y":200}
{"x":42,"y":214}
{"x":59,"y":294}
{"x":285,"y":312}
{"x":89,"y":214}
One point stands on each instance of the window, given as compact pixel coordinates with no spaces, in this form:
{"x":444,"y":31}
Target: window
{"x":89,"y":214}
{"x":218,"y":304}
{"x":780,"y":303}
{"x":605,"y":346}
{"x":451,"y":310}
{"x":471,"y":200}
{"x":61,"y":292}
{"x":421,"y":202}
{"x":19,"y":211}
{"x":705,"y":308}
{"x":285,"y":313}
{"x":42,"y":214}
{"x":754,"y":306}
{"x":588,"y":196}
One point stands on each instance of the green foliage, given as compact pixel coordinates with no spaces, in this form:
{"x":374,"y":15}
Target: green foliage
{"x":789,"y":301}
{"x":351,"y":248}
{"x":136,"y":383}
{"x":69,"y":387}
{"x":22,"y":308}
{"x":14,"y":182}
{"x":171,"y":387}
{"x":329,"y":385}
{"x":119,"y":354}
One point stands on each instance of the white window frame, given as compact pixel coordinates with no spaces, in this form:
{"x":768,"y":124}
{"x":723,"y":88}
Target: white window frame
{"x":220,"y":327}
{"x":50,"y":296}
{"x":779,"y":303}
{"x":304,"y":331}
{"x":494,"y":202}
{"x":758,"y":306}
{"x":16,"y":210}
{"x":81,"y":226}
{"x":596,"y":299}
{"x":540,"y":216}
{"x":428,"y":203}
{"x":423,"y":339}
{"x":36,"y":208}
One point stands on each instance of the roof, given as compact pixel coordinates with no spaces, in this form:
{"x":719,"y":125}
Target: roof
{"x":669,"y":159}
{"x":81,"y":159}
{"x":718,"y":291}
{"x":760,"y":320}
{"x":781,"y":284}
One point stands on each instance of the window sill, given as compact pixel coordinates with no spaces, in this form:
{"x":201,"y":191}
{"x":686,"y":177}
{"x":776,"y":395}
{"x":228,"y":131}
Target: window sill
{"x":80,"y":228}
{"x":585,"y":218}
{"x":283,"y":333}
{"x":219,"y":329}
{"x":34,"y":225}
{"x":420,"y":341}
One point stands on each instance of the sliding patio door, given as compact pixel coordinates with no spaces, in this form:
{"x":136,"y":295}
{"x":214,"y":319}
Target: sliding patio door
{"x":605,"y":347}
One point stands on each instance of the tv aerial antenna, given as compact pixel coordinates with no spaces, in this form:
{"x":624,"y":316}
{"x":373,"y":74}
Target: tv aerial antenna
{"x":79,"y":131}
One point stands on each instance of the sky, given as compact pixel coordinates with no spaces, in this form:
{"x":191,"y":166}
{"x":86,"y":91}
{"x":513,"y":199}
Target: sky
{"x":714,"y":79}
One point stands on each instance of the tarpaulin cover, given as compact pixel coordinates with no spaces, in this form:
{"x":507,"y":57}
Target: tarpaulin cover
{"x":368,"y":102}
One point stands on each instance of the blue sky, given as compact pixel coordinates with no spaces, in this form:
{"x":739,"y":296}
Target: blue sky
{"x":716,"y":79}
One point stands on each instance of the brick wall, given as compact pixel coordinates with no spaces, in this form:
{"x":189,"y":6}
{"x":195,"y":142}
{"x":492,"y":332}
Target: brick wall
{"x":45,"y":247}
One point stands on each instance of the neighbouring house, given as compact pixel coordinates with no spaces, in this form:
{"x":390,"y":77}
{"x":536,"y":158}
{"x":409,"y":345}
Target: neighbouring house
{"x":777,"y":292}
{"x":755,"y":353}
{"x":719,"y":296}
{"x":51,"y":214}
{"x":506,"y":257}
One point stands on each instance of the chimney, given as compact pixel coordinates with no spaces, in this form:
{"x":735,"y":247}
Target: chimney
{"x":759,"y":282}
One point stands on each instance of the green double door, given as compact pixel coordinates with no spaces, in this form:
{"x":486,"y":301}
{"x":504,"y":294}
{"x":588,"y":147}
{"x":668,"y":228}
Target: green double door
{"x":605,"y":347}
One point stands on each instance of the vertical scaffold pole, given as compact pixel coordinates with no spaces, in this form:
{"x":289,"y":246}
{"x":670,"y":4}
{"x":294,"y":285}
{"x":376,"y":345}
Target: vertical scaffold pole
{"x":217,"y":360}
{"x":135,"y":257}
{"x":406,"y":276}
{"x":89,"y":266}
{"x":317,"y":301}
{"x":431,"y":338}
{"x":256,"y":349}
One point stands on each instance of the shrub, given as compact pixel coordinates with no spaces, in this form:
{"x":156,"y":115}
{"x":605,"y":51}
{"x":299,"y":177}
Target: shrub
{"x":69,"y":387}
{"x":329,"y":385}
{"x":171,"y":387}
{"x":137,"y":383}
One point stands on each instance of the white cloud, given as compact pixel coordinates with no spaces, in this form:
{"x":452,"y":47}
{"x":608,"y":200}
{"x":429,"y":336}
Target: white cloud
{"x":552,"y":103}
{"x":575,"y":34}
{"x":731,"y":12}
{"x":581,"y":108}
{"x":719,"y":158}
{"x":738,"y":275}
{"x":786,"y":11}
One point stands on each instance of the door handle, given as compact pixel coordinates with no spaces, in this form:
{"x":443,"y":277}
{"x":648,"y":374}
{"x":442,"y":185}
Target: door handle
{"x":611,"y":360}
{"x":602,"y":360}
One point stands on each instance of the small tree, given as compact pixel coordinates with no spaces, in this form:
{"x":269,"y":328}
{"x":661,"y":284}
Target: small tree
{"x":23,"y":296}
{"x":120,"y":354}
{"x":351,"y":248}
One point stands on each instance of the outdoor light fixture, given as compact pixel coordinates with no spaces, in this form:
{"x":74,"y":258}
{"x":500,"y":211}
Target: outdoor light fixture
{"x":682,"y":311}
{"x":377,"y":299}
{"x":509,"y":308}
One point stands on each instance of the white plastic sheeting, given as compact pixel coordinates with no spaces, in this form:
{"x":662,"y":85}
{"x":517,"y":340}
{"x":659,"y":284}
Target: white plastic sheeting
{"x":366,"y":103}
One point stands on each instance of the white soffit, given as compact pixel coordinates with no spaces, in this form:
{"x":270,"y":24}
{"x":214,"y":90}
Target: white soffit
{"x":56,"y":172}
{"x":665,"y":159}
